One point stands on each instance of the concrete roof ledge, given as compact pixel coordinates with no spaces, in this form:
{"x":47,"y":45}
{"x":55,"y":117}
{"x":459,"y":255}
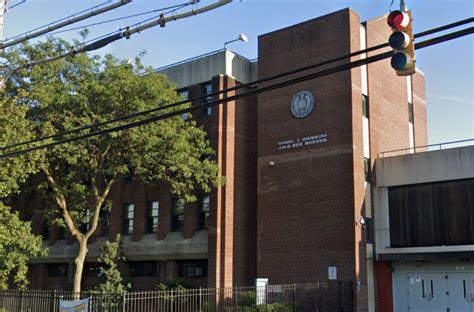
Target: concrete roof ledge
{"x":148,"y":248}
{"x":425,"y":167}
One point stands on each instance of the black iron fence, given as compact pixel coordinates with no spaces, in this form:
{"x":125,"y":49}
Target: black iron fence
{"x":321,"y":297}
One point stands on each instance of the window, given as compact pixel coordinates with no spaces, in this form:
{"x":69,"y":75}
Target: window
{"x":203,"y":212}
{"x":193,"y":268}
{"x":128,"y":176}
{"x":92,"y":269}
{"x":142,"y":268}
{"x":184,"y":93}
{"x":127,"y":226}
{"x":410,"y":112}
{"x":45,"y":232}
{"x":63,"y":233}
{"x":368,"y":230}
{"x":153,"y":210}
{"x":177,"y":216}
{"x":365,"y":104}
{"x":104,"y":219}
{"x":205,"y":90}
{"x":57,"y":269}
{"x":367,"y":169}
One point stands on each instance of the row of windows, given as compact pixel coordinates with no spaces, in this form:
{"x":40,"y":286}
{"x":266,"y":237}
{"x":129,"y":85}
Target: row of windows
{"x":187,"y":268}
{"x":151,"y":218}
{"x":177,"y":216}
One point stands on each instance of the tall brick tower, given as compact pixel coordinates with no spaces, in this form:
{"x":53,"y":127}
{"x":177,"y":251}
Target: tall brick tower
{"x":316,"y":144}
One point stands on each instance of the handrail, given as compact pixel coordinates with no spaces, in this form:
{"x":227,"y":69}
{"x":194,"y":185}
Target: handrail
{"x":412,"y":150}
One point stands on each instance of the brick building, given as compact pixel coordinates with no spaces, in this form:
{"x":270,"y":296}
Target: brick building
{"x":297,"y":160}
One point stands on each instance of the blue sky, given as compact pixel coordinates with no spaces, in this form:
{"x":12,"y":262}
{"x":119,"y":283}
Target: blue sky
{"x":448,"y":67}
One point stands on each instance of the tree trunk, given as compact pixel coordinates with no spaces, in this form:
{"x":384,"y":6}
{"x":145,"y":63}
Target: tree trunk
{"x":79,"y":261}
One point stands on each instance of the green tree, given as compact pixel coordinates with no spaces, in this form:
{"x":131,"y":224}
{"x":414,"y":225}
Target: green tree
{"x":83,"y":90}
{"x":17,"y":243}
{"x":110,"y":257}
{"x":112,"y":288}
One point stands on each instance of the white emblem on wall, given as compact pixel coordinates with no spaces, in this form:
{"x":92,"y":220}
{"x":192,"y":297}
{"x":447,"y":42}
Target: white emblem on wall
{"x":302,"y":104}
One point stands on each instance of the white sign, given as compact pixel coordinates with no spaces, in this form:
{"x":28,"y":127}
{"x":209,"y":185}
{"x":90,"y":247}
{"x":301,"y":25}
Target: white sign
{"x":261,"y":285}
{"x":74,"y":306}
{"x":332,"y":273}
{"x":305,"y":141}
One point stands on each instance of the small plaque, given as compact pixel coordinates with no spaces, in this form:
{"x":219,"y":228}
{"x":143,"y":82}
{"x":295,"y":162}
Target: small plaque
{"x":302,"y":104}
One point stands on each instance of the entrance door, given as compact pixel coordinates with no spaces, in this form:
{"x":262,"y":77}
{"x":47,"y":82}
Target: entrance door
{"x":417,"y":293}
{"x":433,"y":292}
{"x":436,"y":286}
{"x":461,"y":292}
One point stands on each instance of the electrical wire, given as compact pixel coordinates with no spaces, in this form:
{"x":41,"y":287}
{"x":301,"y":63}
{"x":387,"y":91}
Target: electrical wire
{"x":61,"y":23}
{"x":240,"y":86}
{"x":322,"y":73}
{"x":57,"y":21}
{"x":114,"y":20}
{"x":390,"y":7}
{"x":173,"y":9}
{"x":15,"y":5}
{"x":126,"y":33}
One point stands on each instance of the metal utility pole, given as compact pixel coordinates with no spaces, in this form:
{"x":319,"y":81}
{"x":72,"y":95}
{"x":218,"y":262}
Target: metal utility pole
{"x":3,"y":10}
{"x":62,"y":23}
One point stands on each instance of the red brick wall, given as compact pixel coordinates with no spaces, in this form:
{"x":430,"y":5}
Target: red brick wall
{"x":360,"y":252}
{"x":389,"y":123}
{"x":419,"y":108}
{"x":387,"y":95}
{"x":305,"y":215}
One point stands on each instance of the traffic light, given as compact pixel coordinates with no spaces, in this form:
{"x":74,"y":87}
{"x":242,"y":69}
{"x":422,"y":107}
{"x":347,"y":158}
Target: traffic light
{"x":401,"y":40}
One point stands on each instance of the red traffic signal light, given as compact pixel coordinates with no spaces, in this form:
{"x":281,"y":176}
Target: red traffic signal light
{"x":401,"y":40}
{"x":398,"y":19}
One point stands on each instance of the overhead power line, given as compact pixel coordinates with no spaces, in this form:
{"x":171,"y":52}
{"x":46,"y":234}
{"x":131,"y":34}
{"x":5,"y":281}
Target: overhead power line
{"x":15,"y":5}
{"x":119,"y":18}
{"x":127,"y":33}
{"x":322,"y":73}
{"x":61,"y":23}
{"x":251,"y":84}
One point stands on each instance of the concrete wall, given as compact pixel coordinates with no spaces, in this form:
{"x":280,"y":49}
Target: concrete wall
{"x":442,"y":165}
{"x":173,"y":247}
{"x":434,"y":166}
{"x":201,"y":69}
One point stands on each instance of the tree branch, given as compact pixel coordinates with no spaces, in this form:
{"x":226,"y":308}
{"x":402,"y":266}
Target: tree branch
{"x":62,"y":203}
{"x":100,"y":199}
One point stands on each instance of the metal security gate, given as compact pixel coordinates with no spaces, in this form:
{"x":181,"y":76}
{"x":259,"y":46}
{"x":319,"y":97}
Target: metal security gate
{"x":433,"y":291}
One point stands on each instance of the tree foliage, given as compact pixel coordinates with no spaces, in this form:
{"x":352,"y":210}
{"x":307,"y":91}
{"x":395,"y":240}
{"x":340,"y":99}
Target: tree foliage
{"x":83,"y":90}
{"x":17,"y":243}
{"x":17,"y":246}
{"x":110,"y":257}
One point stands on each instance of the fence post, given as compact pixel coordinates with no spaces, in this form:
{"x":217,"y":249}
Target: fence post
{"x":172,"y":300}
{"x":200,"y":299}
{"x":123,"y":300}
{"x":20,"y":304}
{"x":52,"y":295}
